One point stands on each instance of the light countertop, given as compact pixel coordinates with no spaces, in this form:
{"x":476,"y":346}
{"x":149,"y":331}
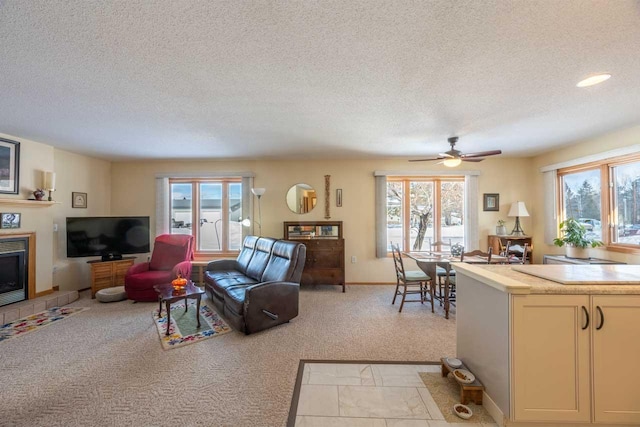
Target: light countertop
{"x":586,"y":279}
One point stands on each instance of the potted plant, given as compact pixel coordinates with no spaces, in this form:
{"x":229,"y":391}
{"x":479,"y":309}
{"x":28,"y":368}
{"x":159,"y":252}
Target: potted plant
{"x":574,"y":235}
{"x":501,"y":230}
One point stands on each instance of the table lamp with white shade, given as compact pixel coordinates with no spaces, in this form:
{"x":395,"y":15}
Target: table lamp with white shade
{"x":50,"y":183}
{"x":518,"y":209}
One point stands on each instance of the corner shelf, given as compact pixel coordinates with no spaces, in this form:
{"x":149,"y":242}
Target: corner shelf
{"x":26,"y":202}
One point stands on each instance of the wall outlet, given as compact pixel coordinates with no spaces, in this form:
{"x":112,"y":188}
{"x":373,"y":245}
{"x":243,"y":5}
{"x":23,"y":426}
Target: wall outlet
{"x":55,"y":227}
{"x":354,"y":259}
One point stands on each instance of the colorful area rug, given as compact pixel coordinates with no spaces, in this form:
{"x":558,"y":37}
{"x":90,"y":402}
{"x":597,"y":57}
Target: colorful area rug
{"x":184,"y":330}
{"x":446,"y":393}
{"x":36,"y":321}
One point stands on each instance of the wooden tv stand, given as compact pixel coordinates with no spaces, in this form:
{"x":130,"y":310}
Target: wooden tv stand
{"x":107,"y":274}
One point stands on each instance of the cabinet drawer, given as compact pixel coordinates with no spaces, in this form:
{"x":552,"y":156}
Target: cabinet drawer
{"x":322,"y":277}
{"x":325,"y":259}
{"x":102,"y":283}
{"x":102,"y":271}
{"x":328,"y":243}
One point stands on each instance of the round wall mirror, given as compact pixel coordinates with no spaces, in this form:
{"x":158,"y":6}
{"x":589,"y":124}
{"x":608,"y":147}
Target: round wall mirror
{"x":301,"y":198}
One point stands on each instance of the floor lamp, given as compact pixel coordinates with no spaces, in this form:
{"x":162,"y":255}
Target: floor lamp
{"x":258,"y":192}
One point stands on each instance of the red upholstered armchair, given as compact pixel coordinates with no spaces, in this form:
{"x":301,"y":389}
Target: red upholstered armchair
{"x":172,"y":254}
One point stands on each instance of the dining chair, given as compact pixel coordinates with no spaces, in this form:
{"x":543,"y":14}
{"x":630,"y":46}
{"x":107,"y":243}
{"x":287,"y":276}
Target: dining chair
{"x":410,"y":282}
{"x":478,"y":253}
{"x":441,"y":272}
{"x":514,"y":259}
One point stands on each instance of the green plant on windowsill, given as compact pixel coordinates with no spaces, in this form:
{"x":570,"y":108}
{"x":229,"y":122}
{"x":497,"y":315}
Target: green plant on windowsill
{"x":575,"y":234}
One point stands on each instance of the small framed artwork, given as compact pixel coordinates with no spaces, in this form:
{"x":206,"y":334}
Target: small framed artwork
{"x":9,"y":166}
{"x":339,"y":197}
{"x":78,"y":200}
{"x":491,"y":202}
{"x":10,"y":220}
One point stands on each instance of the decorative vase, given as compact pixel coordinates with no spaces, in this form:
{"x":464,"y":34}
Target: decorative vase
{"x":38,"y":194}
{"x":576,"y":252}
{"x":501,"y":230}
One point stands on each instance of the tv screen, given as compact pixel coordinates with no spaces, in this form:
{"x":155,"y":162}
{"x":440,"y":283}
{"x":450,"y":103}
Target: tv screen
{"x":96,"y":236}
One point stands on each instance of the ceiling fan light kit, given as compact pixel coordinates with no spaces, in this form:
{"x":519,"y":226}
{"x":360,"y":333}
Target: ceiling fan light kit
{"x":452,"y":162}
{"x":594,"y":80}
{"x":453,"y":157}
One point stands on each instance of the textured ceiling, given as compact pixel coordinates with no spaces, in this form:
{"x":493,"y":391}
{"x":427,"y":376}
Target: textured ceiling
{"x":304,"y":79}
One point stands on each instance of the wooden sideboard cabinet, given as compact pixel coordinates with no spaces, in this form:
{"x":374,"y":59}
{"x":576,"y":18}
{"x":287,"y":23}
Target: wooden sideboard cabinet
{"x":498,"y":242}
{"x":324,"y":264}
{"x":106,"y":274}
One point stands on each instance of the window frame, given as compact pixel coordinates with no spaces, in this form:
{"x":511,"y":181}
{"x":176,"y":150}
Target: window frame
{"x":437,"y":205}
{"x":608,"y":209}
{"x":195,"y":212}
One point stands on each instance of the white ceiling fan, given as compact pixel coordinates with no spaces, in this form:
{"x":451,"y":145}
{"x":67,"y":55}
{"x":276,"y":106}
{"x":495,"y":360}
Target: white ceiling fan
{"x":453,"y":157}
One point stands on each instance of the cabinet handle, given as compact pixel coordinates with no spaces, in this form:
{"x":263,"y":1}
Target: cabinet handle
{"x":586,"y":313}
{"x":601,"y":318}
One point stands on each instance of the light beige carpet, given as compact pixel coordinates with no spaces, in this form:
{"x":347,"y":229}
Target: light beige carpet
{"x":104,"y":367}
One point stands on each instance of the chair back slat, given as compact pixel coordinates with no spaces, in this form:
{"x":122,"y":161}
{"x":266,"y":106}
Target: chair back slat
{"x":397,"y":261}
{"x":477,"y":253}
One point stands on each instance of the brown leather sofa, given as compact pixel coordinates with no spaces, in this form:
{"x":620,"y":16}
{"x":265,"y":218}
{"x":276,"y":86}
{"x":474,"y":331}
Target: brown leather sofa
{"x":259,"y":289}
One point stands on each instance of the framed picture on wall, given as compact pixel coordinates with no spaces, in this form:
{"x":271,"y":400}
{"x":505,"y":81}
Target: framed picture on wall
{"x":491,"y":202}
{"x":78,"y":200}
{"x":9,"y":166}
{"x":10,"y":220}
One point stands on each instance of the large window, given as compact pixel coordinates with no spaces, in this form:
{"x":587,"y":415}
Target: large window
{"x":422,"y":211}
{"x":605,"y":198}
{"x":210,"y":210}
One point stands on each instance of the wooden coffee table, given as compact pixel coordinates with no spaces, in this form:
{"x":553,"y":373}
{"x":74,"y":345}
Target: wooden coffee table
{"x":167,"y":295}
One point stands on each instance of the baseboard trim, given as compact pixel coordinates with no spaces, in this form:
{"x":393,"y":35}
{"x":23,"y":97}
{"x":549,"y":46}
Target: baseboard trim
{"x":43,"y":293}
{"x":493,"y":409}
{"x":368,"y":283}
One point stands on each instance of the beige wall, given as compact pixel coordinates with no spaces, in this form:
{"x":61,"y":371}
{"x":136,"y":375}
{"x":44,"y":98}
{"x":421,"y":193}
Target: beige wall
{"x":34,"y":159}
{"x":84,"y":174}
{"x":73,"y":173}
{"x":133,"y":193}
{"x":590,"y":146}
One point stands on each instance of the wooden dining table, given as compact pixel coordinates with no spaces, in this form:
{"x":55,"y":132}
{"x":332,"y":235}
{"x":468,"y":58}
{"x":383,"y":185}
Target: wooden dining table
{"x":430,"y":261}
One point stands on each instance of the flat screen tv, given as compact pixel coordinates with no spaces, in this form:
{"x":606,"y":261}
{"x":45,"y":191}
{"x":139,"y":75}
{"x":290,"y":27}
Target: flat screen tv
{"x":107,"y":236}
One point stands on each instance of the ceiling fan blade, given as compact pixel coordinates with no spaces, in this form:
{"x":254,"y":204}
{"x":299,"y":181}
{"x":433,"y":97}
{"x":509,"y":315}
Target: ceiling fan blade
{"x":427,"y":160}
{"x":482,"y":154}
{"x":474,"y":159}
{"x":446,"y":155}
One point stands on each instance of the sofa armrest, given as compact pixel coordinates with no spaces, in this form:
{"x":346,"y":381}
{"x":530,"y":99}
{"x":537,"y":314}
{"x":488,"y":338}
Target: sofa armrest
{"x":137,"y":268}
{"x":269,"y":304}
{"x":183,"y":269}
{"x":223,"y":265}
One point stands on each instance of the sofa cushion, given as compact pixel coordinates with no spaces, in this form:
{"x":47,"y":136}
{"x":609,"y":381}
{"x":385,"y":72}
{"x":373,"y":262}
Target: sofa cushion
{"x":234,"y":298}
{"x":282,"y":262}
{"x":217,"y":275}
{"x":221,"y":286}
{"x":260,"y":258}
{"x":149,"y":279}
{"x":248,"y":247}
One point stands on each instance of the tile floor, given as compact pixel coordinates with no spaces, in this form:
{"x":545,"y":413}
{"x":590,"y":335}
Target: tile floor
{"x":368,"y":395}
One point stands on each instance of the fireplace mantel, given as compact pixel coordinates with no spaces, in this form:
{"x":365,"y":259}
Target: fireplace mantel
{"x":30,"y":203}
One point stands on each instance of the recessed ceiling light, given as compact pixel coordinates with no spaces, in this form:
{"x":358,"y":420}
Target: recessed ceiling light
{"x":593,"y":80}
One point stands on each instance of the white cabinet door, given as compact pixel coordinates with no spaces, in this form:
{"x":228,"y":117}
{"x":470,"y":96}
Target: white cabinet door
{"x":616,"y":353}
{"x":550,"y":358}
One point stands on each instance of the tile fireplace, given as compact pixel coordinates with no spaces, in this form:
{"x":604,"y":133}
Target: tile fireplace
{"x":14,"y":272}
